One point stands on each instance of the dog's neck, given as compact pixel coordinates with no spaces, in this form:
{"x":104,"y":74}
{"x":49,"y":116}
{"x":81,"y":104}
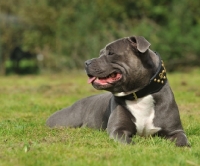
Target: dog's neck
{"x":155,"y":84}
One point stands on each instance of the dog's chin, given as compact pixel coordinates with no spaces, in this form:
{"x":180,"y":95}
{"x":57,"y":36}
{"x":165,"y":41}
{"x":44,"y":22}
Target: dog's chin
{"x":113,"y":88}
{"x":102,"y":86}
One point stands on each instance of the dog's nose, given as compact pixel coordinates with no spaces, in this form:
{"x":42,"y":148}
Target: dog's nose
{"x":88,"y":62}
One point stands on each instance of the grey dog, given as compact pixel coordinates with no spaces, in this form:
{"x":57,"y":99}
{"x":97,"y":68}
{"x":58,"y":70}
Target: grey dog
{"x":140,"y":100}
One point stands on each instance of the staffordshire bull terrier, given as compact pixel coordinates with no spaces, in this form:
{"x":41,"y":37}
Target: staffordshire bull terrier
{"x":140,"y":100}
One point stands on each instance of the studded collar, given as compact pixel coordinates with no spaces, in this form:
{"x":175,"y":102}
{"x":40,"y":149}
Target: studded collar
{"x":155,"y":84}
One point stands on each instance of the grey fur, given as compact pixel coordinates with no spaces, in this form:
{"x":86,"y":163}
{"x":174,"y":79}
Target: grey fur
{"x":137,"y":64}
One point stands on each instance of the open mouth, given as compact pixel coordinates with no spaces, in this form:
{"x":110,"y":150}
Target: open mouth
{"x":111,"y":78}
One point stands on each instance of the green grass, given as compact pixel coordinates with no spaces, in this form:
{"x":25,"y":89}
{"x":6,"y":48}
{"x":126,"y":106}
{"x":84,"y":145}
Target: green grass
{"x":27,"y":101}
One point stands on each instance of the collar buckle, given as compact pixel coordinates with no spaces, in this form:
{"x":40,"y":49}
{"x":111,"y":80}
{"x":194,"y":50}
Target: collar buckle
{"x":135,"y":96}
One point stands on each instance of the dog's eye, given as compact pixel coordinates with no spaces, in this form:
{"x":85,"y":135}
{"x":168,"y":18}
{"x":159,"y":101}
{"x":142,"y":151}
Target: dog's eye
{"x":110,"y":53}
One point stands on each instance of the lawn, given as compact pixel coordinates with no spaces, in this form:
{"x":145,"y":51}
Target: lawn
{"x":27,"y":101}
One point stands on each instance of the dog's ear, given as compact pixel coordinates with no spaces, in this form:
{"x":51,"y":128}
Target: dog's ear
{"x":140,"y":43}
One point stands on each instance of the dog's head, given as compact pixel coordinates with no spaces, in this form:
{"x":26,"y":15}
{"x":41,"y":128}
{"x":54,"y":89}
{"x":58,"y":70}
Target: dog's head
{"x":123,"y":65}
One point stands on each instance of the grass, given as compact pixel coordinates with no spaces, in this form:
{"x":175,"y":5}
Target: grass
{"x":27,"y":101}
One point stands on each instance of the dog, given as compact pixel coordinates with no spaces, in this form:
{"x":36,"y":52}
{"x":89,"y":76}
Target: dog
{"x":139,"y":100}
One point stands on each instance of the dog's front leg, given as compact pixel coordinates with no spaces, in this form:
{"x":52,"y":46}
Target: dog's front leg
{"x":121,"y":125}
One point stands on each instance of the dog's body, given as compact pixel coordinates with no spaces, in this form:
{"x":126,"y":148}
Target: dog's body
{"x":141,"y":101}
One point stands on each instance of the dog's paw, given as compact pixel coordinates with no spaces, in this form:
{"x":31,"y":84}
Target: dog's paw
{"x":180,"y":139}
{"x":124,"y":137}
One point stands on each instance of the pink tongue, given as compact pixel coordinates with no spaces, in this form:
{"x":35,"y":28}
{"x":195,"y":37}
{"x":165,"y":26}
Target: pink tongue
{"x":91,"y":79}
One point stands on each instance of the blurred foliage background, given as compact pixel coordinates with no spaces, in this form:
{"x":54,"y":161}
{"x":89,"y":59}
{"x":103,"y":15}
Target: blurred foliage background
{"x":63,"y":34}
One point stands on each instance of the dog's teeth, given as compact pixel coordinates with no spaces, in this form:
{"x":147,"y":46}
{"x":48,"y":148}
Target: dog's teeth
{"x":113,"y":75}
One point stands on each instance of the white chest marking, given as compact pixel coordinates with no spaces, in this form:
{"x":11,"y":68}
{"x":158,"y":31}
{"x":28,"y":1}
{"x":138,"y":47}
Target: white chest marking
{"x":143,"y":111}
